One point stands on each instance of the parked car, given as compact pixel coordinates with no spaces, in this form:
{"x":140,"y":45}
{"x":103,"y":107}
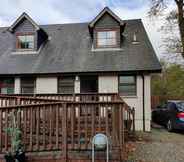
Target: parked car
{"x":170,"y":115}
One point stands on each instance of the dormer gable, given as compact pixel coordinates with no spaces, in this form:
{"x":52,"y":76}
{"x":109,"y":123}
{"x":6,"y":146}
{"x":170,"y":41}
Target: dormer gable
{"x":27,"y":34}
{"x":24,"y":18}
{"x":106,"y":10}
{"x":106,"y":30}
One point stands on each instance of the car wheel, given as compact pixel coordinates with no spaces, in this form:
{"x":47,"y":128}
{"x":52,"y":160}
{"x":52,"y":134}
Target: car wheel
{"x":169,"y":126}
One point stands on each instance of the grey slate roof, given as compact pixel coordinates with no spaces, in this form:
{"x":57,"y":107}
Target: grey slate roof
{"x":69,"y":50}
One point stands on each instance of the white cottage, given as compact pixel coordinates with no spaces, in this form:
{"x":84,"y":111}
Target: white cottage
{"x":106,"y":55}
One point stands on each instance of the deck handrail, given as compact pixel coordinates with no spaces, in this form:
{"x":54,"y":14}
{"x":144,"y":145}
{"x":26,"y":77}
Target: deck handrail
{"x":19,"y":99}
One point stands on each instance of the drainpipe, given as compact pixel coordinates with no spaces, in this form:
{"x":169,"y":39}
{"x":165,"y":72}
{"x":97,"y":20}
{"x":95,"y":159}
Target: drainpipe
{"x":143,"y":100}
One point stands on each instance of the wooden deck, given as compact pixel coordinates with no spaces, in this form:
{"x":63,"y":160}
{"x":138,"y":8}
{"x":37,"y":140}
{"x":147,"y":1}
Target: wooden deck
{"x":67,"y":123}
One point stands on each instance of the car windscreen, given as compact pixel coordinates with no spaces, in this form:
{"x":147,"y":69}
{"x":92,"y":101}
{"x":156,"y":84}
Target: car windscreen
{"x":180,"y":106}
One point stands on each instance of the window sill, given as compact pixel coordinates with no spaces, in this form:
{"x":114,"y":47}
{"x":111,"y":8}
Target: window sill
{"x":128,"y":96}
{"x":106,"y":49}
{"x":22,"y":52}
{"x":29,"y":52}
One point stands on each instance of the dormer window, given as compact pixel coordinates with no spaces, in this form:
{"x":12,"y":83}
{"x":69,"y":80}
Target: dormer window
{"x":29,"y":37}
{"x":106,"y":39}
{"x":25,"y":42}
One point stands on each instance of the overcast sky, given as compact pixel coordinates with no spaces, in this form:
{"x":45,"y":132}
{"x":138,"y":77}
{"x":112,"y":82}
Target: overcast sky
{"x":67,"y":11}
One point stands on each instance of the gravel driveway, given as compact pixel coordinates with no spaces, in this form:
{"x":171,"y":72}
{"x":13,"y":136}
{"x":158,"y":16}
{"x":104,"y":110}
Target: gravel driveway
{"x":158,"y":146}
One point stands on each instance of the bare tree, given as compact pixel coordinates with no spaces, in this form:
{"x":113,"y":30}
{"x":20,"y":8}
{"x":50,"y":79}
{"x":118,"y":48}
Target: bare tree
{"x":174,"y":20}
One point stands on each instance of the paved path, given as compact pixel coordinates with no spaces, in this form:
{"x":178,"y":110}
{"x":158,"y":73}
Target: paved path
{"x":159,"y":146}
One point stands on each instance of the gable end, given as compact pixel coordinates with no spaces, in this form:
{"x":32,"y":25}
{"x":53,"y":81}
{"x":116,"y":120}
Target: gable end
{"x":20,"y":19}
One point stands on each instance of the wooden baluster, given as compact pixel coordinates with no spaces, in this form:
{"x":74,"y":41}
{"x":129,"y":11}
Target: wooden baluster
{"x":133,"y":111}
{"x":31,"y":129}
{"x":123,"y":124}
{"x":79,"y":126}
{"x":57,"y":126}
{"x":6,"y":102}
{"x":25,"y":127}
{"x":19,"y":118}
{"x":64,"y":128}
{"x":113,"y":124}
{"x":1,"y":102}
{"x":120,"y":129}
{"x":6,"y":126}
{"x":86,"y":126}
{"x":128,"y":119}
{"x":37,"y":128}
{"x":50,"y":126}
{"x":93,"y":121}
{"x":44,"y":127}
{"x":72,"y":125}
{"x":107,"y":120}
{"x":99,"y":117}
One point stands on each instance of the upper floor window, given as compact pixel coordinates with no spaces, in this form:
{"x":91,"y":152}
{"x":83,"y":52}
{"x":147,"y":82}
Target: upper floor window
{"x":25,"y":42}
{"x":127,"y":85}
{"x":106,"y":38}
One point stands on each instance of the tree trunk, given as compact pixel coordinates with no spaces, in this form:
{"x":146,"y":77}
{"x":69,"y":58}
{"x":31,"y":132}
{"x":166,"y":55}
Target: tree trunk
{"x":181,"y":23}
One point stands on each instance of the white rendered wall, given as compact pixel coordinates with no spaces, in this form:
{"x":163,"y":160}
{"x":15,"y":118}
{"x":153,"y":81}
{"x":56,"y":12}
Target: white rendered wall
{"x":147,"y":101}
{"x":108,"y":84}
{"x":17,"y":86}
{"x":137,"y":103}
{"x":77,"y":85}
{"x":46,"y":85}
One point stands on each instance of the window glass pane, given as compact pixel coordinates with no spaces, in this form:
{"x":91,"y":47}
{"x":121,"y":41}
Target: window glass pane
{"x":106,"y":38}
{"x":7,"y":85}
{"x":25,"y":42}
{"x":110,"y":42}
{"x":127,"y":85}
{"x":111,"y":34}
{"x":102,"y":42}
{"x":102,"y":35}
{"x":22,"y":38}
{"x":10,"y":90}
{"x":66,"y":85}
{"x":28,"y":85}
{"x":30,"y":45}
{"x":127,"y":90}
{"x":29,"y":38}
{"x":127,"y":79}
{"x":4,"y":90}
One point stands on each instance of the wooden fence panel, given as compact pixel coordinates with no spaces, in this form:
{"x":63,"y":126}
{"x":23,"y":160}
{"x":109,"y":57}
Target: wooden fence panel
{"x":158,"y":100}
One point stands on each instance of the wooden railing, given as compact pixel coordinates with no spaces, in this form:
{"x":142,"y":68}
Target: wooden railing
{"x":64,"y":126}
{"x":6,"y":100}
{"x":24,"y":99}
{"x":74,"y":97}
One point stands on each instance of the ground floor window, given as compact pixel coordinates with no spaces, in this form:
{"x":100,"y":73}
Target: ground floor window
{"x":6,"y":85}
{"x":66,"y":84}
{"x":28,"y":85}
{"x":127,"y":85}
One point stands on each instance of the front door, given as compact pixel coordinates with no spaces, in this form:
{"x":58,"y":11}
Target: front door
{"x":89,"y":84}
